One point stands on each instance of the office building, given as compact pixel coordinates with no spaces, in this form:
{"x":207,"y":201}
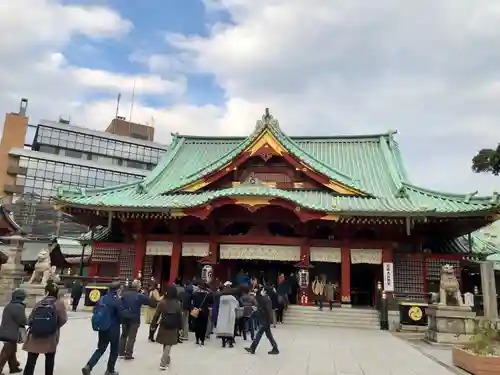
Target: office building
{"x":59,"y":153}
{"x":120,"y":126}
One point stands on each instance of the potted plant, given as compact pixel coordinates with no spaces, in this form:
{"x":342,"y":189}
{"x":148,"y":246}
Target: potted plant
{"x":482,"y":355}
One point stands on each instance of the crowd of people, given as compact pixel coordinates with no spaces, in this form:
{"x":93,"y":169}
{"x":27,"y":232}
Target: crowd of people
{"x":224,"y":312}
{"x":243,"y":308}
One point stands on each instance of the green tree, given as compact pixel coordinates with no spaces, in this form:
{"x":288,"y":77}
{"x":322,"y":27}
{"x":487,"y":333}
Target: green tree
{"x":487,"y":160}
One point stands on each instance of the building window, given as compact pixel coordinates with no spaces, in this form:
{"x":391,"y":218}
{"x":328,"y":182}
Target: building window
{"x":73,"y":154}
{"x":135,"y":164}
{"x":98,"y":145}
{"x":48,"y":149}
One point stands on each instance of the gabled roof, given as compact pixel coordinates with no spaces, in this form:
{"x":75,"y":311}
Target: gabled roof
{"x":371,"y":165}
{"x":192,"y":158}
{"x":6,"y":220}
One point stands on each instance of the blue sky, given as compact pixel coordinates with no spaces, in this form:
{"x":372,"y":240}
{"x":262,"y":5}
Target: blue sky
{"x":153,"y":20}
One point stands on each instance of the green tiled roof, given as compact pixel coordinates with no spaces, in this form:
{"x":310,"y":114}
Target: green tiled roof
{"x":485,"y":242}
{"x":417,"y":202}
{"x":371,"y":164}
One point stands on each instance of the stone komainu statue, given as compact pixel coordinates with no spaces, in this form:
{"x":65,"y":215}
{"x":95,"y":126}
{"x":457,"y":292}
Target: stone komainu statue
{"x":448,"y":286}
{"x":43,"y":270}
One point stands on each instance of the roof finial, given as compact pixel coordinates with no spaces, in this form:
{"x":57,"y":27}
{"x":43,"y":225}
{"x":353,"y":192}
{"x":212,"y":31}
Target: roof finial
{"x":266,"y":119}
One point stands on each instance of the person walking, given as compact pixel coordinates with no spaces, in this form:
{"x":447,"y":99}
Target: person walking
{"x":226,"y":319}
{"x":318,"y":288}
{"x":106,"y":321}
{"x":330,"y":293}
{"x":154,"y":294}
{"x":186,"y":302}
{"x":132,"y":301}
{"x":278,"y":305}
{"x":12,"y":330}
{"x":44,"y":325}
{"x":76,"y":294}
{"x":250,"y":305}
{"x":168,"y":320}
{"x":265,"y":318}
{"x":202,"y":299}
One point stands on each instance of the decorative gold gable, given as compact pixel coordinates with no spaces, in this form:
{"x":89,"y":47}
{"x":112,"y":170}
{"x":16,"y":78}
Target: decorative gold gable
{"x":267,"y":140}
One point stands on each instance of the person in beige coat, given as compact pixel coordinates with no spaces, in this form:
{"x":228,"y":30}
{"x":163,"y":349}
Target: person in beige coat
{"x":154,"y":294}
{"x":318,"y":288}
{"x":45,"y":345}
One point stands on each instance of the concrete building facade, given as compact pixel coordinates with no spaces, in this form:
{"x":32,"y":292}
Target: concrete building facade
{"x":62,"y":154}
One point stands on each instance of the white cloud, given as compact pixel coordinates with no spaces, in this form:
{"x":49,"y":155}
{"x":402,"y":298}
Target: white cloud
{"x":32,"y":23}
{"x":144,"y":84}
{"x":33,"y":66}
{"x":426,"y":68}
{"x":429,"y":69}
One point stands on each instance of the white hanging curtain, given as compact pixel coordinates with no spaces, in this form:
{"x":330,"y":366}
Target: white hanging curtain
{"x":366,"y":256}
{"x":326,"y":254}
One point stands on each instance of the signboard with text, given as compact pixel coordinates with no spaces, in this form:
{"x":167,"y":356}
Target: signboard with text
{"x":388,"y":277}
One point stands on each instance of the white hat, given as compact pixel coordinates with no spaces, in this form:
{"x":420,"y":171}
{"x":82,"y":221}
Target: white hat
{"x":228,"y":283}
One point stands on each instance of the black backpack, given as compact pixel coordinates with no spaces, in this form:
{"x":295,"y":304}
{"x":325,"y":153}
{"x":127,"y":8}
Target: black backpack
{"x":44,"y":319}
{"x":171,"y":320}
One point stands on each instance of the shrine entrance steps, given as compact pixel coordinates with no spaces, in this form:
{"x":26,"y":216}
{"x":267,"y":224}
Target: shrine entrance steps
{"x":337,"y":317}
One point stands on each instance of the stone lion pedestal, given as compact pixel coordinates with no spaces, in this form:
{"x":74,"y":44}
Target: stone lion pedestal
{"x":447,"y":323}
{"x":34,"y":293}
{"x":450,"y":324}
{"x":43,"y":272}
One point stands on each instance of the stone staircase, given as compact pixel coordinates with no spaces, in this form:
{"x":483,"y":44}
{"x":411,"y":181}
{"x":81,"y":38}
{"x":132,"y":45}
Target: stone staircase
{"x":338,"y":317}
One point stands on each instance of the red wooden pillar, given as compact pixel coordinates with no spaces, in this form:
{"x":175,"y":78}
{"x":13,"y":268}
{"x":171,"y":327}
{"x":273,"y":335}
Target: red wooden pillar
{"x":345,"y":286}
{"x":93,"y":269}
{"x":175,"y":260}
{"x":140,"y":253}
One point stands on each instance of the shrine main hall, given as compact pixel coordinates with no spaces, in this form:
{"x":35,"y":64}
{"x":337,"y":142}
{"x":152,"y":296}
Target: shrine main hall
{"x":342,"y":207}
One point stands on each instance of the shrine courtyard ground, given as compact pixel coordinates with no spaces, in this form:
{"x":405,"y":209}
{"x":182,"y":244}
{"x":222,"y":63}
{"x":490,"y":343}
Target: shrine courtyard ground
{"x":304,"y":351}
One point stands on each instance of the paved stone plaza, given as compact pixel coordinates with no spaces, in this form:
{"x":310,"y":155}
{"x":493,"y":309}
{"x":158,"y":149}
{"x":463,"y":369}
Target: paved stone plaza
{"x":304,"y":351}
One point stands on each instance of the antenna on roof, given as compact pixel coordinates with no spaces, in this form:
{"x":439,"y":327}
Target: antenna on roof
{"x":132,"y":103}
{"x":118,"y":98}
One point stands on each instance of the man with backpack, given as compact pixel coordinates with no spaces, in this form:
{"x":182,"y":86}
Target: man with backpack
{"x":106,"y":320}
{"x":132,"y":300}
{"x":44,"y":323}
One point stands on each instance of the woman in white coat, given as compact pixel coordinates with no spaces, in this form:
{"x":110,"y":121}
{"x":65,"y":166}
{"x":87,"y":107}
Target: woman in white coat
{"x":226,"y":318}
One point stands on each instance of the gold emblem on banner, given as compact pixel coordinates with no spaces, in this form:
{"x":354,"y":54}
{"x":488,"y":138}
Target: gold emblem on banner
{"x":94,"y":295}
{"x":415,"y":313}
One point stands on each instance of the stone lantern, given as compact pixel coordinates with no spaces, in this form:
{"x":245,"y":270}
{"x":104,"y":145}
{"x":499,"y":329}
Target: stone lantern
{"x":12,"y":272}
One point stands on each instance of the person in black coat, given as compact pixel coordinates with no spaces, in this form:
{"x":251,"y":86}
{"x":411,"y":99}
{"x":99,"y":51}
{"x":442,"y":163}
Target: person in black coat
{"x":202,"y":298}
{"x":13,"y":323}
{"x":265,"y":316}
{"x":76,"y":294}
